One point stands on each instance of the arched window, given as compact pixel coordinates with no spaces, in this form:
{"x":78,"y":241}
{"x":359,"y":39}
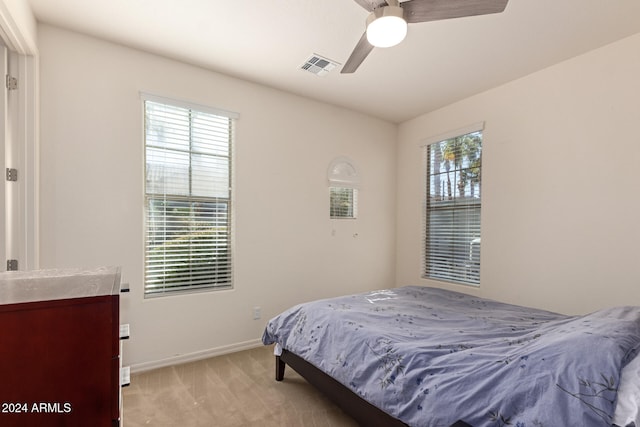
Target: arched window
{"x":343,"y":188}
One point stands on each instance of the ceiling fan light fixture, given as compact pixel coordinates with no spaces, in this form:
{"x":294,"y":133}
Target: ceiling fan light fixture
{"x":386,"y":26}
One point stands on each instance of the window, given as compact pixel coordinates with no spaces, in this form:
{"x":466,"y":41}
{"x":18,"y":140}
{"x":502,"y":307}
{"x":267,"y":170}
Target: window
{"x":343,"y":188}
{"x":187,"y":197}
{"x":452,"y":208}
{"x":343,"y":202}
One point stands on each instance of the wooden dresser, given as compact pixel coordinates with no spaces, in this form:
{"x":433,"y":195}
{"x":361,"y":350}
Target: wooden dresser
{"x":60,"y":348}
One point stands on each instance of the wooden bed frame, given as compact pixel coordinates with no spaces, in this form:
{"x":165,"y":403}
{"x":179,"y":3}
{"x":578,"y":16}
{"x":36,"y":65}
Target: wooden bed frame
{"x":359,"y":409}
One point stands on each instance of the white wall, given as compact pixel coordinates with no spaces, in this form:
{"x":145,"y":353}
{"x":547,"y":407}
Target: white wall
{"x":285,"y":251}
{"x":561,"y":184}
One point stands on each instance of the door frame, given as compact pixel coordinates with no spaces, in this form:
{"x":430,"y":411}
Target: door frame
{"x":15,"y":17}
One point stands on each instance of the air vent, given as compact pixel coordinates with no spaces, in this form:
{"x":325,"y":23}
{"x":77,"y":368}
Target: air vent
{"x":319,"y":65}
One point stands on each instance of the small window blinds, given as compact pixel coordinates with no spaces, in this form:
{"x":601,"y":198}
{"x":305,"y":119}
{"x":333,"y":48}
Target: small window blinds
{"x":452,"y":207}
{"x":187,"y":197}
{"x":343,"y":202}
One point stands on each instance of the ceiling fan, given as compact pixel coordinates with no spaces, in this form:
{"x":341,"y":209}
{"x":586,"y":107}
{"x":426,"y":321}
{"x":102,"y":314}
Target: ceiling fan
{"x":387,"y":21}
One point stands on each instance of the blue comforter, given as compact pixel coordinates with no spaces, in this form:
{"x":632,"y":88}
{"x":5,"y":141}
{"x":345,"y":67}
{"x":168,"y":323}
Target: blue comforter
{"x":430,"y":357}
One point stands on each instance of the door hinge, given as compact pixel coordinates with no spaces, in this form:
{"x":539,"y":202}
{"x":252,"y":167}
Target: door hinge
{"x":11,"y":82}
{"x":12,"y":265}
{"x":12,"y":174}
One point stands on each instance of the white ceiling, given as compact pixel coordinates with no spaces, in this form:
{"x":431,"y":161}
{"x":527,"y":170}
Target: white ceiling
{"x":266,"y":41}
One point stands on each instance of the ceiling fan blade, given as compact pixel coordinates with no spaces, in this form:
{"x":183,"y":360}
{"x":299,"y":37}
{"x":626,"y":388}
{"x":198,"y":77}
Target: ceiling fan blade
{"x":369,"y":5}
{"x":360,"y":52}
{"x":434,"y":10}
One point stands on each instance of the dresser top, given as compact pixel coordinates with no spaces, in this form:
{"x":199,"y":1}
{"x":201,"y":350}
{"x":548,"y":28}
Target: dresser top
{"x":55,"y":284}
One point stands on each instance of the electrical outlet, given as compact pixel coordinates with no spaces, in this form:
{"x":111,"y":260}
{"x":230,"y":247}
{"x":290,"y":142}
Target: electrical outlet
{"x":257,"y":313}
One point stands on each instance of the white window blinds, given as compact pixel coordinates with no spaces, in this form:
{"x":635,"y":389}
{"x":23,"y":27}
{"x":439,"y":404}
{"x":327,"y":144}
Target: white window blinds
{"x":187,"y":198}
{"x":452,"y":209}
{"x":343,"y":202}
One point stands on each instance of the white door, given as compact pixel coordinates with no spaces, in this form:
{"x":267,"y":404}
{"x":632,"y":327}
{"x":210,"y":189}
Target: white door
{"x":3,"y":193}
{"x":18,"y":132}
{"x":11,"y":190}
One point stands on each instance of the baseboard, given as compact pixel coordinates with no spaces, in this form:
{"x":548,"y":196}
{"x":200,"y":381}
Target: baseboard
{"x":192,"y":357}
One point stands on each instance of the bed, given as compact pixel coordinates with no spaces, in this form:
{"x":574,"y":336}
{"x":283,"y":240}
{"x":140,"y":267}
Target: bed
{"x":422,"y":356}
